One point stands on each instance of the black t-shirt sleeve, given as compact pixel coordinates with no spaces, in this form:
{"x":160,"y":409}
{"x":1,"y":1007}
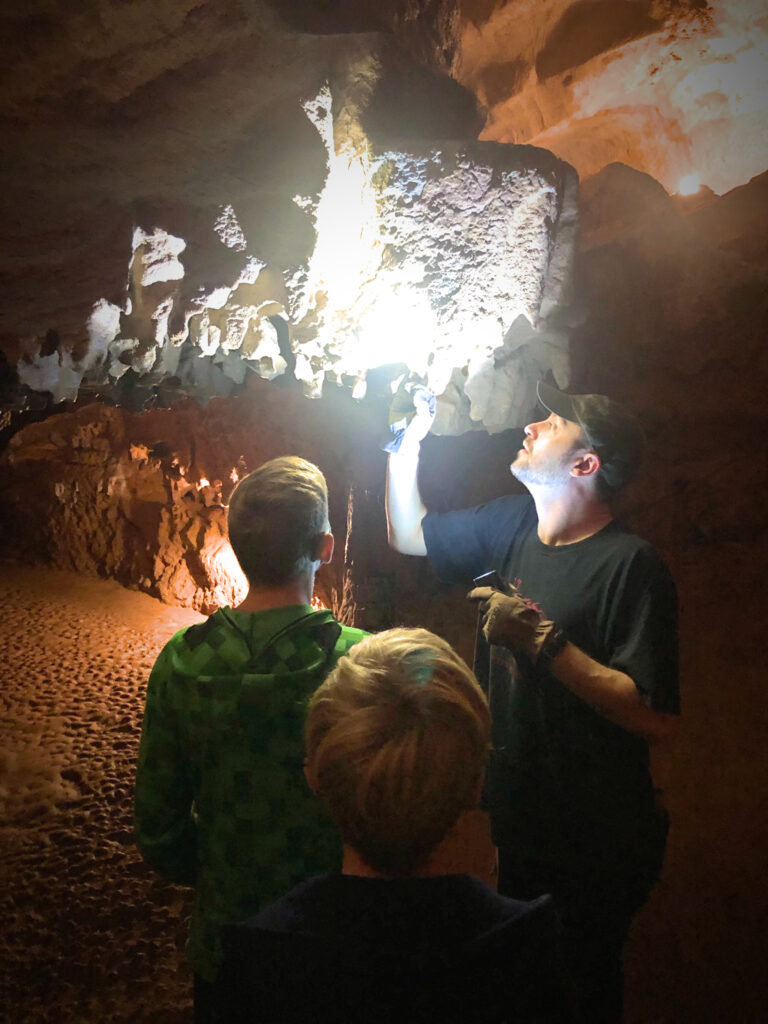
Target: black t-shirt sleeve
{"x":461,"y":544}
{"x":644,"y":631}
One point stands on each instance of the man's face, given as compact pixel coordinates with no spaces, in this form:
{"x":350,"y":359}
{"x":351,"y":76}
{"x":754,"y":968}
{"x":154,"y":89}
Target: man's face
{"x":548,"y":451}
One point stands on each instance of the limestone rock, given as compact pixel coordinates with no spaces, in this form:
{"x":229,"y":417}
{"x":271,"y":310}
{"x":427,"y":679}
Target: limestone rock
{"x":433,"y":254}
{"x":141,"y":497}
{"x":428,"y":255}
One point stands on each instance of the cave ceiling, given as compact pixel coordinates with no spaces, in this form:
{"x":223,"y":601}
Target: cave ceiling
{"x":166,"y":166}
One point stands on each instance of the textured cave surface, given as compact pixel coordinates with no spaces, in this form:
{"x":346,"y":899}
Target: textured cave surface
{"x":453,"y":259}
{"x":170,"y":139}
{"x":153,"y":152}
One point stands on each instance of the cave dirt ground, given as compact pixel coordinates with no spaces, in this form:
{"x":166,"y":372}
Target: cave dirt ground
{"x":90,"y":934}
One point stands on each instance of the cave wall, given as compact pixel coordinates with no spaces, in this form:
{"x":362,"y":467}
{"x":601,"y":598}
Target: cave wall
{"x":132,"y":130}
{"x":141,"y":496}
{"x":675,"y":317}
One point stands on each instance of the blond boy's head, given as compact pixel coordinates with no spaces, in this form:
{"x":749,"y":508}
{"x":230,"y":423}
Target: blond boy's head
{"x":277,"y":517}
{"x":397,"y":738}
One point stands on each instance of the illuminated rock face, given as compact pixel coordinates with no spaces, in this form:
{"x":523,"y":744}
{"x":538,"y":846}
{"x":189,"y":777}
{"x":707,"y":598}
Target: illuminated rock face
{"x":141,"y":141}
{"x":452,"y":258}
{"x":449,"y":258}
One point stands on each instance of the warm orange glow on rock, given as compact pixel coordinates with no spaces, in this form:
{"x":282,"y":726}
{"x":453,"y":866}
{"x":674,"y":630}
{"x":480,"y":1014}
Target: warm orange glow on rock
{"x":657,"y":86}
{"x":228,"y":583}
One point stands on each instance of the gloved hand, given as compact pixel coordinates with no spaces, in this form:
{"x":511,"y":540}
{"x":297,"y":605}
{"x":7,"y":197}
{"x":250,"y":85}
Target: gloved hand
{"x":509,"y":622}
{"x":410,"y":416}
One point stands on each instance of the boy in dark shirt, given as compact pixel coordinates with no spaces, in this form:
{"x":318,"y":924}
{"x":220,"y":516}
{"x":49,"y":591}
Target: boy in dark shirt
{"x":396,"y":744}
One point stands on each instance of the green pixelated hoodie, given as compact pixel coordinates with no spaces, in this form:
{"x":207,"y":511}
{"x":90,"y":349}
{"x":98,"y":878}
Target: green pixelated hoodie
{"x":221,"y":802}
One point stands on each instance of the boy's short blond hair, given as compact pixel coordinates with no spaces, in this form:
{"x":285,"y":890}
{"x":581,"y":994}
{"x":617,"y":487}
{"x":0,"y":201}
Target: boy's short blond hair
{"x":276,"y":515}
{"x":397,"y":738}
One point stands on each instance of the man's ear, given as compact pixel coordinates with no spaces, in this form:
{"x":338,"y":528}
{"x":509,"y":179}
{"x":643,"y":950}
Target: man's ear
{"x":324,"y":548}
{"x":586,"y":464}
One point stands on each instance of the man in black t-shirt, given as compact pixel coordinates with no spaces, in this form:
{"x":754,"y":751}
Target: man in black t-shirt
{"x":579,"y":661}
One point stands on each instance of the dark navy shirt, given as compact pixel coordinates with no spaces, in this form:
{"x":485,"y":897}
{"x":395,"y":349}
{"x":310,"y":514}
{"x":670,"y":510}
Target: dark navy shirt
{"x":566,"y":786}
{"x":412,"y":950}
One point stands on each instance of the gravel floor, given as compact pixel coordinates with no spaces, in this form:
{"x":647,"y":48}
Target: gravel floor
{"x":89,"y":933}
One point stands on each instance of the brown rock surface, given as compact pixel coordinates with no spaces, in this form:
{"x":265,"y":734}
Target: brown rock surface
{"x":139,"y":497}
{"x":676,"y":309}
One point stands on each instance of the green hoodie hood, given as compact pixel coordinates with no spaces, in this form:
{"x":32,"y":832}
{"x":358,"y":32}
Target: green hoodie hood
{"x":293,"y":643}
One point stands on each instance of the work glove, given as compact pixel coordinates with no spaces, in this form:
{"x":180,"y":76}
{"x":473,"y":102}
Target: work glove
{"x":410,"y":416}
{"x":510,"y":622}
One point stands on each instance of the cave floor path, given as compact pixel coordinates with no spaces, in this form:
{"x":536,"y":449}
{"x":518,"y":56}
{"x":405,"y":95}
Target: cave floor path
{"x":89,"y":932}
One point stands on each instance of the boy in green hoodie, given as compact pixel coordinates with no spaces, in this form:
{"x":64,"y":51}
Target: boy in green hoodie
{"x":221,"y":802}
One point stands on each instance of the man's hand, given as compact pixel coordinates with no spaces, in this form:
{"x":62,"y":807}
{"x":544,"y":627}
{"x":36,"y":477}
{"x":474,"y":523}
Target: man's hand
{"x":410,"y":418}
{"x":421,"y":424}
{"x":509,"y":622}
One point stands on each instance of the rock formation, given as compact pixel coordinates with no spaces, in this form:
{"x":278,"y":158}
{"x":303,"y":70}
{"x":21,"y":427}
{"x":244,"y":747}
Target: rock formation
{"x":674,"y":88}
{"x":142,"y":143}
{"x":451,"y":257}
{"x":141,"y":497}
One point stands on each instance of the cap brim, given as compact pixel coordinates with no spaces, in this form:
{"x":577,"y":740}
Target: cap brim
{"x":556,"y":401}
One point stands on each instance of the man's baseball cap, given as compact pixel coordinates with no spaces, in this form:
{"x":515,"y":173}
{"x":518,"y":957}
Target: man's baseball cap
{"x":614,"y":433}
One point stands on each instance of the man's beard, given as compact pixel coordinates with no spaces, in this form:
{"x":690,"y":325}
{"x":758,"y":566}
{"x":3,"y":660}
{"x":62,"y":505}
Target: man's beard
{"x":544,"y":473}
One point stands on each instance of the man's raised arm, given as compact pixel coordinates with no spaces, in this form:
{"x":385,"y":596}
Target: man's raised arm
{"x":405,"y":509}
